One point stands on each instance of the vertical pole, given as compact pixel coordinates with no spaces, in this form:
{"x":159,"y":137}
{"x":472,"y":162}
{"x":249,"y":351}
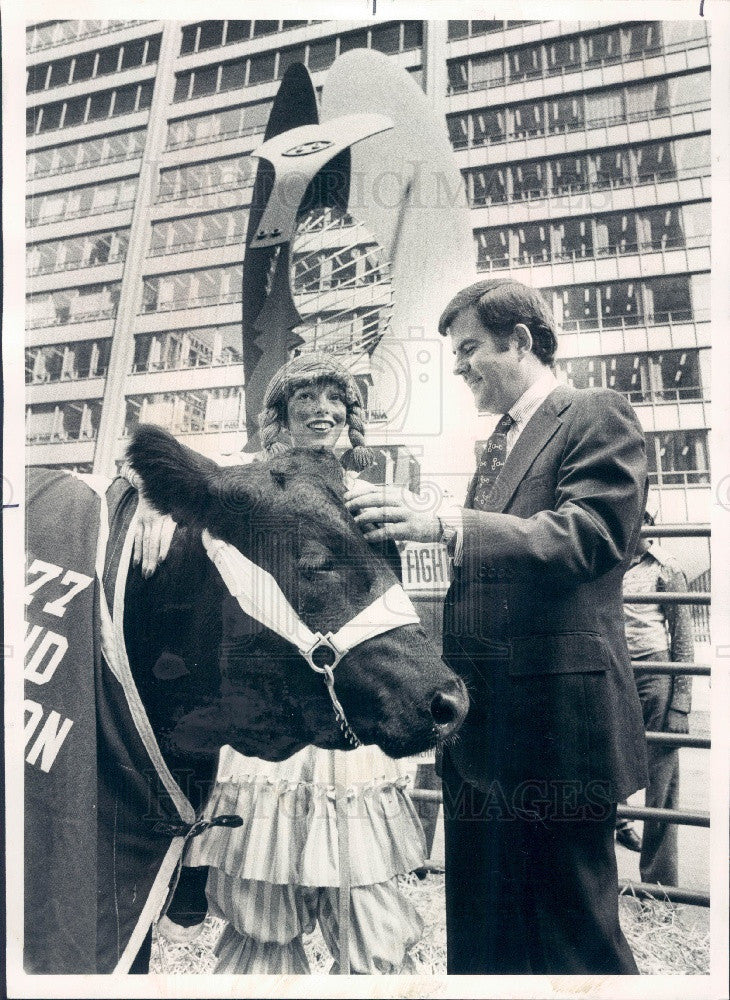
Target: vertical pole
{"x":111,"y":424}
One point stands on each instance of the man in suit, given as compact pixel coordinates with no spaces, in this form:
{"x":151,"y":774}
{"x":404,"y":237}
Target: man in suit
{"x":534,"y":623}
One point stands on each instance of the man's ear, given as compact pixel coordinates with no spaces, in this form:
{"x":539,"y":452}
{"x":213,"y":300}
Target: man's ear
{"x":523,"y":338}
{"x":176,"y":480}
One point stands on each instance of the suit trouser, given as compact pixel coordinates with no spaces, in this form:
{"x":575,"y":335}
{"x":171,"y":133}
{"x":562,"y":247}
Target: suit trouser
{"x":529,"y":896}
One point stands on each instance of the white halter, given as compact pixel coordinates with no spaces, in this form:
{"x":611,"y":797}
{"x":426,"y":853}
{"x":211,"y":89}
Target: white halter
{"x":260,"y":596}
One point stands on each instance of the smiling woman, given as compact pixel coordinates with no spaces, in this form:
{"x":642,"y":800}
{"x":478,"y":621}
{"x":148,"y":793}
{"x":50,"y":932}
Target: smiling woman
{"x":281,"y":872}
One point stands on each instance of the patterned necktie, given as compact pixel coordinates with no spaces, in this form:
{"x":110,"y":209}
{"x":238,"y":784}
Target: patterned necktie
{"x":492,"y":462}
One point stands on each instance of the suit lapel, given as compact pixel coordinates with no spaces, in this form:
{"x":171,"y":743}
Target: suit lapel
{"x":541,"y":426}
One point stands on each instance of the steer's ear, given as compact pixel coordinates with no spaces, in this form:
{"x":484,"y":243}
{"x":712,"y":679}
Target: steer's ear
{"x":176,"y":480}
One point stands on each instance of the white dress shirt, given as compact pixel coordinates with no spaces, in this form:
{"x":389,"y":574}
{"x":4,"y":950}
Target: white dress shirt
{"x":521,"y":412}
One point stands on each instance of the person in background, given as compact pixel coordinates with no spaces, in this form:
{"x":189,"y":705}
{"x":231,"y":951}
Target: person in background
{"x":658,"y":632}
{"x":276,"y":876}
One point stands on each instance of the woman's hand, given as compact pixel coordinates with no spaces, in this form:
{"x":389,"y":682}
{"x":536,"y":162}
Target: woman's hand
{"x":152,"y":538}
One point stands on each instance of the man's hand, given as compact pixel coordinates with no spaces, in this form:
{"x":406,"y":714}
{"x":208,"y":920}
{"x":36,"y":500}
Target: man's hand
{"x":391,"y":512}
{"x":152,"y":538}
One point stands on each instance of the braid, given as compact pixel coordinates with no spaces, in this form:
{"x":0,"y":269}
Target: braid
{"x":358,"y":457}
{"x":270,"y":428}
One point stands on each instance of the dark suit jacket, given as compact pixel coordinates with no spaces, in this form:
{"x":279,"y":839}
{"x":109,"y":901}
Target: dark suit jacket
{"x":534,"y":618}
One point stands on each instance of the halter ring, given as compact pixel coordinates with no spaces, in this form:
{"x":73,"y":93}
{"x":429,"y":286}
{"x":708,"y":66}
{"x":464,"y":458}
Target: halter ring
{"x":326,"y":642}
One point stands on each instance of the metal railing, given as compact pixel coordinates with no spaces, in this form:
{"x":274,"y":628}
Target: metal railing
{"x":680,"y":817}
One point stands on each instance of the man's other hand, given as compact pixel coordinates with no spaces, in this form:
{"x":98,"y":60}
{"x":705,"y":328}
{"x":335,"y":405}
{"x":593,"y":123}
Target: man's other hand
{"x":391,"y":512}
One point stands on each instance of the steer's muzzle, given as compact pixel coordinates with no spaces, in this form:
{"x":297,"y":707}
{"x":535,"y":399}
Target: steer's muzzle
{"x":449,"y":707}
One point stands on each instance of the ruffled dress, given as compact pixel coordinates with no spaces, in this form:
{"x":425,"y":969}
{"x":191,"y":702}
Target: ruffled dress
{"x":289,"y":835}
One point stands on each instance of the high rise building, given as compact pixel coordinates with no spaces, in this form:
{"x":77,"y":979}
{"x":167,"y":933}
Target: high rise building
{"x":585,"y":151}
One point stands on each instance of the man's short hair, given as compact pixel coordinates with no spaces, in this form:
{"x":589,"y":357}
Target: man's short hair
{"x":500,"y":304}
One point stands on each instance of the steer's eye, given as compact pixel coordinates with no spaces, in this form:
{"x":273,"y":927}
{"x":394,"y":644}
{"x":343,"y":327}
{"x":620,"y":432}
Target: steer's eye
{"x":315,"y":558}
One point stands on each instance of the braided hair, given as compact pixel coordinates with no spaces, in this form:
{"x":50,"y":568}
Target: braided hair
{"x":305,"y":370}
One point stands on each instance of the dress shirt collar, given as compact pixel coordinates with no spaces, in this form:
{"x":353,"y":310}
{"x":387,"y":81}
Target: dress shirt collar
{"x":531,"y":398}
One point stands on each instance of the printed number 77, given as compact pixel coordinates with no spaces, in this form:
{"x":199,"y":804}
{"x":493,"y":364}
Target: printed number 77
{"x":76,"y":581}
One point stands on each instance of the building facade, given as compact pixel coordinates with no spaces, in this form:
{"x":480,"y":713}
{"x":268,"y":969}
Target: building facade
{"x":585,"y":151}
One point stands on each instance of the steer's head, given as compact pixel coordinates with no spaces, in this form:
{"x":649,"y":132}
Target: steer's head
{"x":245,"y":685}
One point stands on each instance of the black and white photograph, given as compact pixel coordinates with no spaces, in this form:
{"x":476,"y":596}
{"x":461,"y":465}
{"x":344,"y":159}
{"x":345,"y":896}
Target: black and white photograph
{"x":366,"y":396}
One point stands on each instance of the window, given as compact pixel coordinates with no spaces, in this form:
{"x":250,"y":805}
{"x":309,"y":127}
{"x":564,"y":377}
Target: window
{"x":669,"y":299}
{"x":528,"y":180}
{"x":73,"y":305}
{"x":189,"y":39}
{"x":354,"y":40}
{"x":289,"y":56}
{"x":458,"y":29}
{"x":125,"y":100}
{"x":182,"y":86}
{"x":576,"y":308}
{"x":676,"y":375}
{"x":695,"y":221}
{"x":492,"y":249}
{"x":678,"y":457}
{"x":458,"y":126}
{"x":108,"y":60}
{"x":642,"y":38}
{"x":692,"y":90}
{"x":678,"y":33}
{"x":386,"y":37}
{"x":84,"y":66}
{"x":50,"y":117}
{"x":647,"y":100}
{"x":264,"y":28}
{"x":616,"y":232}
{"x":179,"y":349}
{"x":212,"y":286}
{"x":37,"y":76}
{"x":573,"y":239}
{"x":523,"y":64}
{"x":211,"y":34}
{"x":412,"y":35}
{"x":60,"y":73}
{"x":489,"y":126}
{"x":603,"y":47}
{"x":238,"y":31}
{"x":486,"y":187}
{"x":692,"y":155}
{"x":198,"y":411}
{"x":133,"y":54}
{"x":205,"y":81}
{"x":458,"y":73}
{"x":565,"y":114}
{"x":621,"y":304}
{"x":321,"y":54}
{"x":100,"y":105}
{"x":486,"y":71}
{"x":527,"y":120}
{"x":604,"y":107}
{"x":610,"y":169}
{"x":261,"y":68}
{"x":234,"y":172}
{"x":75,"y":112}
{"x":563,"y":54}
{"x":233,"y":75}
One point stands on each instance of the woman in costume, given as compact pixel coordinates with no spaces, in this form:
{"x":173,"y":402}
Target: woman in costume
{"x":276,"y":876}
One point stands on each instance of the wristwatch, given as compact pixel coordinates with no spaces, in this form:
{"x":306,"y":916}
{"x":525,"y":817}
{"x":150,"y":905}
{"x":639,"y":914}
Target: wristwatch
{"x":447,"y":534}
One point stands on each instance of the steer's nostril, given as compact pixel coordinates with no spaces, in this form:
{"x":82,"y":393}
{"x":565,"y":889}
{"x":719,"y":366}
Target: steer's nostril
{"x":444,"y":709}
{"x":449,"y":708}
